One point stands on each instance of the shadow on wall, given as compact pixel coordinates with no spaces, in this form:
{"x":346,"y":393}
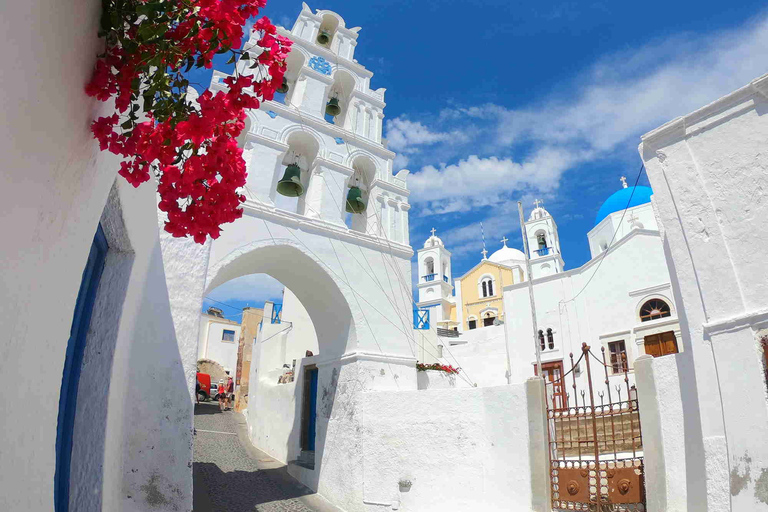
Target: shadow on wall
{"x":241,"y":491}
{"x":158,"y":411}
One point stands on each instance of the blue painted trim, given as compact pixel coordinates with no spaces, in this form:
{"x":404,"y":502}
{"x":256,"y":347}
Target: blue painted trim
{"x":312,"y":409}
{"x":73,"y":364}
{"x":339,"y":140}
{"x":320,"y":65}
{"x":421,"y":319}
{"x":272,"y":114}
{"x":277,"y":310}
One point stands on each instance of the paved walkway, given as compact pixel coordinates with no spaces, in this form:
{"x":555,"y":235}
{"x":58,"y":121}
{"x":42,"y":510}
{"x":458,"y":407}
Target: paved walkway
{"x":230,"y":475}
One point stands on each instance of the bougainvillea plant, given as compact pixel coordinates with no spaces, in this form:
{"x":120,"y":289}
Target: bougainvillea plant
{"x":447,"y":368}
{"x":190,"y":147}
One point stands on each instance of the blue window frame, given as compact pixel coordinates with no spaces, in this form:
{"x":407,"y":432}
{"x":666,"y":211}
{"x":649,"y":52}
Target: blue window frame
{"x":421,"y":319}
{"x":228,"y":335}
{"x":277,"y":310}
{"x":73,"y":364}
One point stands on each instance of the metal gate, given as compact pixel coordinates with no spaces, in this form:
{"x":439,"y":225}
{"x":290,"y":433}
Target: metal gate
{"x":595,"y":439}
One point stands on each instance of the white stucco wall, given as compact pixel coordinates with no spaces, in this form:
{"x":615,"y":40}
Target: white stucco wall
{"x":634,"y":270}
{"x":481,"y":354}
{"x":54,"y":193}
{"x":708,"y":172}
{"x":212,"y":345}
{"x":461,"y":449}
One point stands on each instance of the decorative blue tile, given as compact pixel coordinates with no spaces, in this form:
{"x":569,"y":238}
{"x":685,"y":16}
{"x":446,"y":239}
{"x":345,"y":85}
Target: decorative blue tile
{"x":271,"y":114}
{"x":320,"y":65}
{"x":339,"y":140}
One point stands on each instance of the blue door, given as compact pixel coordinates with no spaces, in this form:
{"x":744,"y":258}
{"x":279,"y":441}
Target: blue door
{"x":72,"y":367}
{"x":312,"y":409}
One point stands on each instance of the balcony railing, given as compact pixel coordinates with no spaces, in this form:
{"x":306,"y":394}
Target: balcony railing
{"x":429,"y":277}
{"x":445,"y":278}
{"x":543,"y":251}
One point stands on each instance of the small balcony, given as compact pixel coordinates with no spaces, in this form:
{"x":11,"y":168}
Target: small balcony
{"x":543,"y":251}
{"x":445,"y":278}
{"x":429,"y":277}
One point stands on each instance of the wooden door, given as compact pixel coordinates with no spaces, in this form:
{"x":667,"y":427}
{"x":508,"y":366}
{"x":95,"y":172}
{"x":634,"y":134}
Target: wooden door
{"x":661,"y":344}
{"x":553,"y":374}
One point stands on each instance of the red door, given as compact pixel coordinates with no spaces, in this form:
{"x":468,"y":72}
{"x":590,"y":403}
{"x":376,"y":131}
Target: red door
{"x":553,"y":374}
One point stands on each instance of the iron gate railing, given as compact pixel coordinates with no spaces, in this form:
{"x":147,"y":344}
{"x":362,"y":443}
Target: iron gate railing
{"x":595,"y":449}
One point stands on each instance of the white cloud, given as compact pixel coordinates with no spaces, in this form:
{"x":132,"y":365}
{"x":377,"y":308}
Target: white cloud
{"x":254,"y":287}
{"x":404,"y":135}
{"x":604,"y":110}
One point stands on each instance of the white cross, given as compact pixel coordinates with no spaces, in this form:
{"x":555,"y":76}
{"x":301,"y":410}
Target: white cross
{"x":623,"y":181}
{"x":537,"y":202}
{"x":504,"y":240}
{"x":485,"y":254}
{"x":433,"y":231}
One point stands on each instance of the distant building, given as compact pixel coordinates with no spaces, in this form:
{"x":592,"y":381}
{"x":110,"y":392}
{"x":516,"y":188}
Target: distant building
{"x":219,"y":339}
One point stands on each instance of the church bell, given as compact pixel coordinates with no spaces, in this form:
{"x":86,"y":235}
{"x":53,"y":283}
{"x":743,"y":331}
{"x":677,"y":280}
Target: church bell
{"x":333,"y":108}
{"x":283,"y":87}
{"x":355,"y":203}
{"x":290,"y":185}
{"x":323,"y":37}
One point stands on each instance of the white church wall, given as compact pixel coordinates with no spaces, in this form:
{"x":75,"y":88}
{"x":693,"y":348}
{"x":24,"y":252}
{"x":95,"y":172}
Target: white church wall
{"x":605,"y":311}
{"x":53,"y":197}
{"x":614,"y":228}
{"x":460,"y":449}
{"x":706,"y":170}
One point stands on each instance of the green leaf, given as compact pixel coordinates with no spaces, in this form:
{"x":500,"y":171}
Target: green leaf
{"x":245,"y":56}
{"x":190,"y":63}
{"x":127,"y":124}
{"x":231,"y":59}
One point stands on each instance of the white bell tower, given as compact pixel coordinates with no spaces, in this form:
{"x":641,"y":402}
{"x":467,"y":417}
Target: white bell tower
{"x":434,"y":285}
{"x":543,"y":243}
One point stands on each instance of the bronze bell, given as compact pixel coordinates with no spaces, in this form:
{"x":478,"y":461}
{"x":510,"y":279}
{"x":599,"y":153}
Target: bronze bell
{"x":333,"y":108}
{"x":283,"y":87}
{"x":355,"y":203}
{"x":323,"y":37}
{"x":290,"y":185}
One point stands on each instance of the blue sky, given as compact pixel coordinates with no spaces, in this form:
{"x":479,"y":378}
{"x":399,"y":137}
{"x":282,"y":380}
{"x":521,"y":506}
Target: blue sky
{"x":525,"y":99}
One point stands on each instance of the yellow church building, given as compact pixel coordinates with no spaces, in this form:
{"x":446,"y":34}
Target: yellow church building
{"x":475,"y":299}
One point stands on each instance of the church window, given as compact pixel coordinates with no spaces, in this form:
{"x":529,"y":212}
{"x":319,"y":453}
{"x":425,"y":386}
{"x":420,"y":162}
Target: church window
{"x":486,"y":287}
{"x":653,"y":309}
{"x":542,"y":239}
{"x":658,"y":345}
{"x":430,"y":266}
{"x":541,"y":340}
{"x":618,"y":353}
{"x":550,"y":339}
{"x":472,"y":324}
{"x":488,"y":320}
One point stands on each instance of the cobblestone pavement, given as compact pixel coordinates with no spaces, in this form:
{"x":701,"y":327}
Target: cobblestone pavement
{"x":230,"y":477}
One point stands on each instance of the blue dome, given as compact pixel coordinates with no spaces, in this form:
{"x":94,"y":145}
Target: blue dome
{"x":618,"y":201}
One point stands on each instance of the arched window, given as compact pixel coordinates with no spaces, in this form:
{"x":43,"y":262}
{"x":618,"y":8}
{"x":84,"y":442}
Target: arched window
{"x":653,"y":309}
{"x":541,"y":340}
{"x":430,"y":265}
{"x":542,"y":239}
{"x":550,"y":338}
{"x":486,"y":287}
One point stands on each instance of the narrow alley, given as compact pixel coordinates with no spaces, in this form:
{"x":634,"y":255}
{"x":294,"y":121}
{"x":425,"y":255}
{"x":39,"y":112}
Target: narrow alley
{"x":230,"y":475}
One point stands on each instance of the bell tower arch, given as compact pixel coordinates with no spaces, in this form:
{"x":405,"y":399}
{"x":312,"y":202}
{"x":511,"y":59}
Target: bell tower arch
{"x":543,"y":243}
{"x":307,"y":175}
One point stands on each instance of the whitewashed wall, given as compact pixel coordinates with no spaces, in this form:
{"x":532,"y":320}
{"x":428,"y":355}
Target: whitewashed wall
{"x":708,"y":171}
{"x":54,"y":187}
{"x":212,"y":345}
{"x":461,"y":449}
{"x":634,"y":270}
